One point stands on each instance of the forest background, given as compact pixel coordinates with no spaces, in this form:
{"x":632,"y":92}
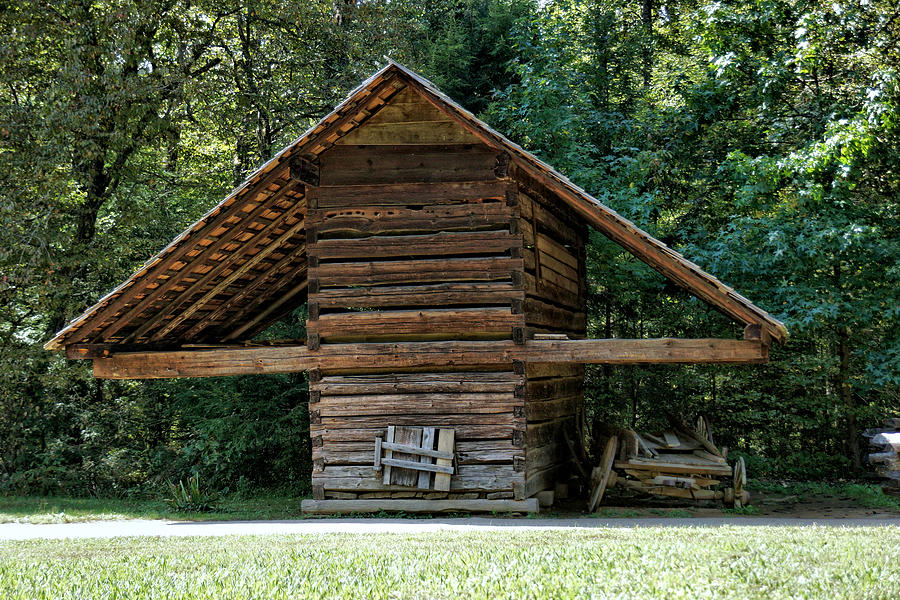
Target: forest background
{"x":759,"y":138}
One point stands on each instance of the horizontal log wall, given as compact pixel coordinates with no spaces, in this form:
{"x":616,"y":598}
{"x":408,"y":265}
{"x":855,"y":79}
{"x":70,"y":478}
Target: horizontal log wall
{"x":413,"y":235}
{"x":554,"y":396}
{"x":554,"y":241}
{"x":409,"y":119}
{"x":554,"y":261}
{"x":486,"y":409}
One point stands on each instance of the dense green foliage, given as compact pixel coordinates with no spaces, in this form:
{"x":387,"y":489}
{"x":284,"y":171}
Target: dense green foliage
{"x":68,"y":509}
{"x":758,"y":138}
{"x":733,"y":562}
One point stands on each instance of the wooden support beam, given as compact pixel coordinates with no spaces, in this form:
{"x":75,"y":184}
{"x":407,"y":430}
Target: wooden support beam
{"x":305,"y":171}
{"x":283,"y":298}
{"x":330,"y":507}
{"x":288,"y":359}
{"x":217,"y":246}
{"x":246,"y":292}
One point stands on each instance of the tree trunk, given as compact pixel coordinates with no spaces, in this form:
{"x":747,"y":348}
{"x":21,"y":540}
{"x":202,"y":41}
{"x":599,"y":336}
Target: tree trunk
{"x":241,"y":158}
{"x":846,"y":396}
{"x":95,"y":183}
{"x":647,"y":46}
{"x":842,"y":383}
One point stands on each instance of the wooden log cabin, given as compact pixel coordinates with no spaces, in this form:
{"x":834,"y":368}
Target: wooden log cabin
{"x":444,"y":271}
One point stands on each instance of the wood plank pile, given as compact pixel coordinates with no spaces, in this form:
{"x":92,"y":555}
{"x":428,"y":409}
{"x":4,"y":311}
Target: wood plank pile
{"x":885,"y":445}
{"x":681,"y":462}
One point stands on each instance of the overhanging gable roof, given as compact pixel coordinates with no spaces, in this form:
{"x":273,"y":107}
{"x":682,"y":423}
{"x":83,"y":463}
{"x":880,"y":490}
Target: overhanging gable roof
{"x":242,"y":265}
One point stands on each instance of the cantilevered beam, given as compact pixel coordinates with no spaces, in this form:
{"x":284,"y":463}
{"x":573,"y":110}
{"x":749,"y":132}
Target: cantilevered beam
{"x":289,"y":359}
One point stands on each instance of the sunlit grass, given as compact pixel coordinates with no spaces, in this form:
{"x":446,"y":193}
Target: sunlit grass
{"x":670,"y":563}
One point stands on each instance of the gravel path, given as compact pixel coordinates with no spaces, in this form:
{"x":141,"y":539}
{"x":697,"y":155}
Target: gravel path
{"x":137,"y":527}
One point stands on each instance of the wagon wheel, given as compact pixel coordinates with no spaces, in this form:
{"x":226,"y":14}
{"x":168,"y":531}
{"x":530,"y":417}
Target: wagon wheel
{"x":740,"y":479}
{"x":602,"y":472}
{"x":703,"y":430}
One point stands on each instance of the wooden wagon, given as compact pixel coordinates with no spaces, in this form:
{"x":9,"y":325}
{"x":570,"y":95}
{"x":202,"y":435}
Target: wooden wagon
{"x":444,"y":271}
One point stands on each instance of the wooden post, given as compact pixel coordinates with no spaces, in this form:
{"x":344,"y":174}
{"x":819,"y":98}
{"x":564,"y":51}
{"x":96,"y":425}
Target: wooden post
{"x":388,"y":454}
{"x":446,"y":439}
{"x":428,"y":444}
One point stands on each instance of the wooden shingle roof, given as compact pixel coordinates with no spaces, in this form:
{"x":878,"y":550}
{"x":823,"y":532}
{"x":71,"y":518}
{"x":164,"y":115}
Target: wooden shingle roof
{"x":242,"y":265}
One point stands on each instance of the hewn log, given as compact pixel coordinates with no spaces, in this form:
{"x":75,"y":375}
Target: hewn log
{"x":544,"y":478}
{"x":554,"y":317}
{"x":542,"y":370}
{"x":373,"y":505}
{"x":553,"y":409}
{"x":418,"y":383}
{"x":491,"y":433}
{"x":415,"y":271}
{"x":550,"y":432}
{"x":443,"y":243}
{"x":418,"y":404}
{"x":375,"y":219}
{"x":362,"y":165}
{"x":547,"y":389}
{"x":442,"y":419}
{"x":542,"y":456}
{"x":544,"y":290}
{"x":553,"y":222}
{"x":436,"y":294}
{"x":459,"y":322}
{"x":288,"y":359}
{"x":410,"y":133}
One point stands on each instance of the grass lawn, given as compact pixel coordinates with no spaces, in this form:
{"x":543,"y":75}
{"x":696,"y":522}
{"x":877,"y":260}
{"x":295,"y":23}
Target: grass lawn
{"x":38,"y":509}
{"x":863,"y":495}
{"x":669,"y":563}
{"x":810,"y":497}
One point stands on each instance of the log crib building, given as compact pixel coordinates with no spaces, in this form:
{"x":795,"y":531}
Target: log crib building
{"x":444,"y":271}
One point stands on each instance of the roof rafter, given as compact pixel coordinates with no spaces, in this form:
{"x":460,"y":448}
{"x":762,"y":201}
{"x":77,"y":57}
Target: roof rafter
{"x":123,"y":307}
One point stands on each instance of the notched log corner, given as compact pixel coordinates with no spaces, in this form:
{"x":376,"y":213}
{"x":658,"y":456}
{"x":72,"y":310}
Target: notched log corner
{"x":305,"y":171}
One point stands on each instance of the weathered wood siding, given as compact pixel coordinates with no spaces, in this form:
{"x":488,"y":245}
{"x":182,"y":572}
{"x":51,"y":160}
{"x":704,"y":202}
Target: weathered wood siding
{"x":554,"y":396}
{"x":412,"y":235}
{"x":554,"y":241}
{"x":413,"y":242}
{"x":485,"y":408}
{"x":554,"y":255}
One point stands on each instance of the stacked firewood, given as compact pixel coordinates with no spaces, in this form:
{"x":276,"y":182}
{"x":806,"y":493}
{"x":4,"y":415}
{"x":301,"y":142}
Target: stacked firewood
{"x":885,"y":445}
{"x":681,"y":462}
